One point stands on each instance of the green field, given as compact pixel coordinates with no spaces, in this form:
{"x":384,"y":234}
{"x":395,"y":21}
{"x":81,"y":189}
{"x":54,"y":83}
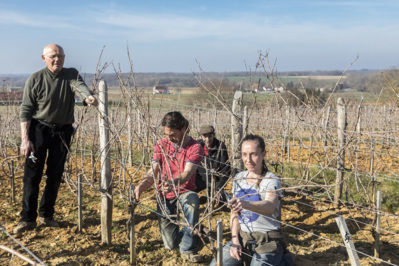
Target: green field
{"x":284,"y":79}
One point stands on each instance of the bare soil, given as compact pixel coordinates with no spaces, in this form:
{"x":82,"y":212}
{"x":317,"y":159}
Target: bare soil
{"x":67,"y":246}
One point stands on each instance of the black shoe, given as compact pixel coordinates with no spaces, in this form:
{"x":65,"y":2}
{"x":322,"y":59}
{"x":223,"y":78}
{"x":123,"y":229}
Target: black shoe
{"x":192,"y":257}
{"x":24,"y":226}
{"x":203,"y":200}
{"x":48,"y":222}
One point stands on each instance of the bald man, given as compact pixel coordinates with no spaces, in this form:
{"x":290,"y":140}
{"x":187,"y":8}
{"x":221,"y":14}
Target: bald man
{"x":46,"y":116}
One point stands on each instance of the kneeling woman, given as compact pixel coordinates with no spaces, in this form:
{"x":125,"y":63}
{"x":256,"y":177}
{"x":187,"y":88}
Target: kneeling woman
{"x":255,"y":211}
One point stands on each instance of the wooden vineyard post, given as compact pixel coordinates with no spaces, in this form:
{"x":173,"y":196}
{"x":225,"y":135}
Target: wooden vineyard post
{"x":132,"y":237}
{"x":378,"y":225}
{"x":80,"y":224}
{"x":212,"y":185}
{"x":341,"y":128}
{"x":286,"y":130}
{"x":12,"y":182}
{"x":346,"y":236}
{"x":93,"y":166}
{"x":199,"y":119}
{"x":236,"y":131}
{"x":326,"y":118}
{"x":123,"y":173}
{"x":129,"y":134}
{"x":219,"y":240}
{"x":245,"y":121}
{"x":373,"y":176}
{"x":358,"y":143}
{"x":106,"y":186}
{"x":215,"y":119}
{"x":139,"y":123}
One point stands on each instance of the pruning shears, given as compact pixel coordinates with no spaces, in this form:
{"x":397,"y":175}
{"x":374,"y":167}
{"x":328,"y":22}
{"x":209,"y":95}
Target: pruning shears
{"x":32,"y":157}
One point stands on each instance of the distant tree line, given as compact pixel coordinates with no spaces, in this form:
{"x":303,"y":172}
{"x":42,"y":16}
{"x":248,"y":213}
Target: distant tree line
{"x":359,"y":80}
{"x":373,"y":82}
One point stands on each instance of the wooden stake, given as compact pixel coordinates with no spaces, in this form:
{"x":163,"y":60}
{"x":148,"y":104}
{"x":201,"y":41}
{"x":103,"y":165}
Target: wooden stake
{"x":346,"y":236}
{"x":378,"y":225}
{"x":215,"y":119}
{"x":286,"y":130}
{"x":245,"y":121}
{"x":341,"y":128}
{"x":199,"y":119}
{"x":326,"y":118}
{"x":80,"y":224}
{"x":106,"y":186}
{"x":124,"y":173}
{"x":358,"y":134}
{"x":12,"y":182}
{"x":132,"y":237}
{"x":236,"y":131}
{"x":129,"y":134}
{"x":219,"y":232}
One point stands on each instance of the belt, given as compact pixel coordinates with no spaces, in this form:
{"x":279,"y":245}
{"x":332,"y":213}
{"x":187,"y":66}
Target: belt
{"x":262,"y":242}
{"x":275,"y":234}
{"x":261,"y":236}
{"x":51,"y":125}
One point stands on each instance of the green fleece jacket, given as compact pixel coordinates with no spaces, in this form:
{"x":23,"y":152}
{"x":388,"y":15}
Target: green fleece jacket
{"x":51,"y":97}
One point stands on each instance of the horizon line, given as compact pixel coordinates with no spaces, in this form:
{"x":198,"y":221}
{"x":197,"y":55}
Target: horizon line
{"x":237,"y":71}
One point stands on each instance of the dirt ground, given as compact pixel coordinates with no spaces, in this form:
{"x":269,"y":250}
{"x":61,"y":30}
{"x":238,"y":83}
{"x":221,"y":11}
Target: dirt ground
{"x":66,"y":246}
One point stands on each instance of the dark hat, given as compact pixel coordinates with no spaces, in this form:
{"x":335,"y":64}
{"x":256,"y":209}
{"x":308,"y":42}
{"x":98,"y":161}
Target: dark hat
{"x":206,"y":129}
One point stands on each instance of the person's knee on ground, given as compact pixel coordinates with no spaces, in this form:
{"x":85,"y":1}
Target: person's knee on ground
{"x":170,"y":233}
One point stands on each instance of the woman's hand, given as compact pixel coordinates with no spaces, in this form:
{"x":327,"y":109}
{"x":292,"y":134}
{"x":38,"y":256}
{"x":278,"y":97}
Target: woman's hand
{"x":235,"y":205}
{"x":235,"y":249}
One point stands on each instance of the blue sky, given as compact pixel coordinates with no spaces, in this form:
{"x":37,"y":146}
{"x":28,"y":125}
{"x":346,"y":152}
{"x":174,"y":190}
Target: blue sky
{"x":171,"y":36}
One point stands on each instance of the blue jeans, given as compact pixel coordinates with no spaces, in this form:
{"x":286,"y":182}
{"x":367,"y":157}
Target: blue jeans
{"x":255,"y":259}
{"x":171,"y":235}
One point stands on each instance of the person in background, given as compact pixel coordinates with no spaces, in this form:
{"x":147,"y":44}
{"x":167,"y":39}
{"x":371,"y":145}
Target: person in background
{"x":46,"y":116}
{"x":175,"y":161}
{"x":215,"y":164}
{"x":256,"y":236}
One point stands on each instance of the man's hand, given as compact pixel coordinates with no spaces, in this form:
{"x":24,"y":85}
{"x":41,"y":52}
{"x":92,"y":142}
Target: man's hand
{"x":167,"y":186}
{"x":147,"y":182}
{"x":26,"y":147}
{"x":91,"y":101}
{"x":26,"y":144}
{"x":137,"y":191}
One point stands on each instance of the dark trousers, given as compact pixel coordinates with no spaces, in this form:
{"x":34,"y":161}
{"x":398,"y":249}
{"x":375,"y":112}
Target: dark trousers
{"x":200,"y":183}
{"x":49,"y":141}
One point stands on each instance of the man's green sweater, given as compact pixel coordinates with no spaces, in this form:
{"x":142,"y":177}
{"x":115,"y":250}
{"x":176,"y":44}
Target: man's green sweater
{"x":51,"y":97}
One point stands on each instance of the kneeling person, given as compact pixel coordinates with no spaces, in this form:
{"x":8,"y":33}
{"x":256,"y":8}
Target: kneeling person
{"x":175,"y":161}
{"x":256,"y":236}
{"x":215,"y":164}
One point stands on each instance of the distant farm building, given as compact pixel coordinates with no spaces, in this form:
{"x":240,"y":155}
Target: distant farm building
{"x":262,"y":90}
{"x":13,"y":95}
{"x":325,"y":89}
{"x":279,"y":89}
{"x":160,"y":90}
{"x":265,"y":89}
